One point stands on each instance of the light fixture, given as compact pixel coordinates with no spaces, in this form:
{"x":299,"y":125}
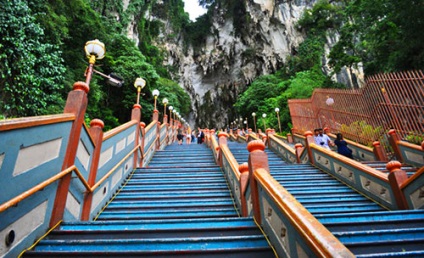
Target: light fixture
{"x":139,"y":85}
{"x":329,"y":101}
{"x":277,"y":110}
{"x":254,"y":120}
{"x":263,"y":119}
{"x":155,"y":94}
{"x":95,"y":48}
{"x":164,"y":102}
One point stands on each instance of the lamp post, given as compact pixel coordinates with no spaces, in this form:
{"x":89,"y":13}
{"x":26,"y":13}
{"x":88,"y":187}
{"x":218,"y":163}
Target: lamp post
{"x":263,"y":119}
{"x":330,"y":101}
{"x":155,"y":94}
{"x":170,"y":114}
{"x":139,"y":85}
{"x":94,"y":49}
{"x":254,"y":120}
{"x":277,"y":111}
{"x":164,"y":102}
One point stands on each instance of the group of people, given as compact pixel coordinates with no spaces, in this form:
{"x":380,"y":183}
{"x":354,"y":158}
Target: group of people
{"x":324,"y":141}
{"x":190,"y":136}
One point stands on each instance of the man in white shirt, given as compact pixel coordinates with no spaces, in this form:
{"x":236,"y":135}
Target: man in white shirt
{"x":322,"y":139}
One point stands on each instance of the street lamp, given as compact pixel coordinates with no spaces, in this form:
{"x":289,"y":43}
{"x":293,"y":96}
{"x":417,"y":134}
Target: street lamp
{"x":254,"y":120}
{"x":164,"y":102}
{"x":155,"y":94}
{"x":94,"y":49}
{"x":330,"y":101}
{"x":139,"y":85}
{"x":277,"y":111}
{"x":263,"y":119}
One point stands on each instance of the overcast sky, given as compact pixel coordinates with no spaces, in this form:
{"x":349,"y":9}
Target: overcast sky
{"x":193,"y":8}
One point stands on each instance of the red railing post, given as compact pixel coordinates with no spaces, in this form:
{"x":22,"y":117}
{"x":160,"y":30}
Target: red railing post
{"x":309,"y":139}
{"x":393,"y":140}
{"x":257,"y":159}
{"x":396,"y":178}
{"x":157,"y":135}
{"x":222,"y":140}
{"x":76,"y":104}
{"x":143,"y":132}
{"x":289,"y":138}
{"x":298,"y":150}
{"x":96,"y":132}
{"x":244,"y":178}
{"x":379,"y":152}
{"x":136,"y":115}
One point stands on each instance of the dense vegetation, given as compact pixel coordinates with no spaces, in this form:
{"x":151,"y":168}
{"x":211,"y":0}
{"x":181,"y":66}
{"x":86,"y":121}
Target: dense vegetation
{"x":42,"y":55}
{"x":41,"y":52}
{"x":379,"y":34}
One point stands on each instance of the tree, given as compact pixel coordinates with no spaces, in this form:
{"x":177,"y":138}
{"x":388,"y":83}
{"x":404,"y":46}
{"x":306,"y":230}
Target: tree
{"x":31,"y":69}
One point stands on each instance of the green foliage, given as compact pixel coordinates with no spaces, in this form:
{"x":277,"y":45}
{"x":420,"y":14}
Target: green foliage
{"x":31,"y":68}
{"x":382,"y":34}
{"x":36,"y":35}
{"x":367,"y":133}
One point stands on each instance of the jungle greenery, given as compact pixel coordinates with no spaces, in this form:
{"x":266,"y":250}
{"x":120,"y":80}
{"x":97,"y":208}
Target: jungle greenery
{"x":41,"y":52}
{"x":42,"y":55}
{"x":382,"y":35}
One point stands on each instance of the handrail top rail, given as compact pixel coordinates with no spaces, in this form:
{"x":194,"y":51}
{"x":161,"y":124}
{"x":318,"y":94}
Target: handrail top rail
{"x":118,"y":129}
{"x":233,"y":162}
{"x":24,"y":122}
{"x":364,"y":168}
{"x":321,"y":240}
{"x":287,"y":147}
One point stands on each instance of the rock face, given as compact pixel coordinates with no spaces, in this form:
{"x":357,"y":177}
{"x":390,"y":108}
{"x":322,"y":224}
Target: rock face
{"x":230,"y":61}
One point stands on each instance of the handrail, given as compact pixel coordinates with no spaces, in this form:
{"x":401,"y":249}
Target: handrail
{"x":364,"y":168}
{"x":24,"y":122}
{"x":285,"y":145}
{"x":112,"y":170}
{"x":231,"y":160}
{"x":148,"y":127}
{"x":118,"y":129}
{"x":322,"y":242}
{"x":410,"y":145}
{"x":410,"y":180}
{"x":151,"y":146}
{"x":26,"y":194}
{"x":61,"y":174}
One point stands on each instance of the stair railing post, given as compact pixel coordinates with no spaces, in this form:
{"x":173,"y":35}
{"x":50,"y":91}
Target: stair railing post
{"x":379,"y":152}
{"x":396,"y":178}
{"x":257,"y":159}
{"x":289,"y":138}
{"x":308,"y":141}
{"x":75,"y":104}
{"x":157,"y":135}
{"x":222,"y":140}
{"x":143,"y":142}
{"x":298,"y":150}
{"x":244,"y":179}
{"x":96,"y":132}
{"x":393,"y":140}
{"x":136,"y":115}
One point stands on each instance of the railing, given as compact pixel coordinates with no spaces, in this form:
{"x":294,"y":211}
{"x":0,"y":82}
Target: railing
{"x":55,"y":168}
{"x":283,"y":219}
{"x":387,"y":101}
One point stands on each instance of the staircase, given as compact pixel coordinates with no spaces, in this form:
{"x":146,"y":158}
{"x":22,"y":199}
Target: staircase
{"x":178,"y":206}
{"x":366,"y":228}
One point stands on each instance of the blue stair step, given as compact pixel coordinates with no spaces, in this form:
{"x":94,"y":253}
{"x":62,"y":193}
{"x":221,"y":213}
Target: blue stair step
{"x":179,"y":206}
{"x":366,"y":228}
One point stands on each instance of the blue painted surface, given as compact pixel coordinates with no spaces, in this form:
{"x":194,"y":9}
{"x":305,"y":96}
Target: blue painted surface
{"x":366,"y":228}
{"x":181,"y":208}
